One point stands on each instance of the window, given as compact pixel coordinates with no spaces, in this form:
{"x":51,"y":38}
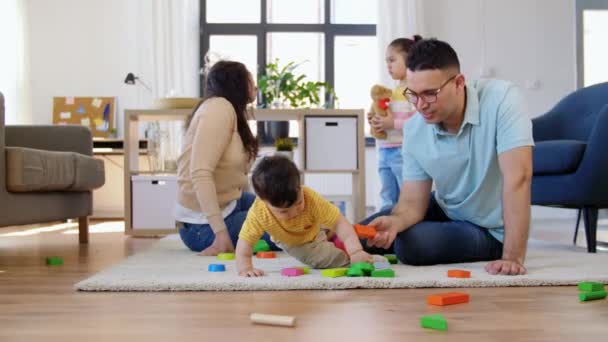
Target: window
{"x":591,"y":30}
{"x":334,"y":40}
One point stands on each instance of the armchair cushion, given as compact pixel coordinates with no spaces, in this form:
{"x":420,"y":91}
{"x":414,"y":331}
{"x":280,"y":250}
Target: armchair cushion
{"x":557,"y":156}
{"x":29,"y":170}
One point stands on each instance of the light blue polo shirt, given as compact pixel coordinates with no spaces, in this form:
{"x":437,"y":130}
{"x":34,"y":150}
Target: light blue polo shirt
{"x":464,"y":166}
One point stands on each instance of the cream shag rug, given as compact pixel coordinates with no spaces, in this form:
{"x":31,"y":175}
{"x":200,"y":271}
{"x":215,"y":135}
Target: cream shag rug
{"x":170,"y":266}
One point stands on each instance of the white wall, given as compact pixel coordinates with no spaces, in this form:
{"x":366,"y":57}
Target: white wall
{"x":522,"y":41}
{"x":86,"y":47}
{"x":80,"y":48}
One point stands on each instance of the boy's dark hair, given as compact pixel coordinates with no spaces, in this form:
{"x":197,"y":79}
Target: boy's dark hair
{"x":431,"y":54}
{"x":276,"y":180}
{"x":403,"y":45}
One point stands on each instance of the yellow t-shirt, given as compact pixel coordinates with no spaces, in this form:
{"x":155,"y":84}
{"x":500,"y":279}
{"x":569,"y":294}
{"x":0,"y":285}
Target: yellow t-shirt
{"x":296,"y":231}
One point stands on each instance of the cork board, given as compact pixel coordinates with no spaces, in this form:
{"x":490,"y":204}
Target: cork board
{"x":97,"y":113}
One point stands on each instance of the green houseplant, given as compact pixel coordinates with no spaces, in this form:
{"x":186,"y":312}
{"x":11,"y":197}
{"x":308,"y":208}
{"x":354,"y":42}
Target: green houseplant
{"x":284,"y":146}
{"x":281,"y":87}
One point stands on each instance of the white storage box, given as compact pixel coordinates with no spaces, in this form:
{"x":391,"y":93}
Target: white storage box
{"x":331,"y":143}
{"x":153,"y":200}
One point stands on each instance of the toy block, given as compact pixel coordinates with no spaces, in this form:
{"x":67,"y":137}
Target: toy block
{"x":305,"y":269}
{"x":366,"y":268}
{"x":385,"y":273}
{"x":590,"y":286}
{"x":587,"y":296}
{"x":365,"y":232}
{"x":292,"y":272}
{"x":448,"y":298}
{"x":459,"y":274}
{"x":334,"y":272}
{"x":355,"y":272}
{"x":54,"y":261}
{"x":437,"y":322}
{"x":339,"y":244}
{"x":261,"y":246}
{"x":285,"y":321}
{"x":225,"y":256}
{"x":266,"y":255}
{"x":216,"y":268}
{"x":381,"y":265}
{"x":392,"y":258}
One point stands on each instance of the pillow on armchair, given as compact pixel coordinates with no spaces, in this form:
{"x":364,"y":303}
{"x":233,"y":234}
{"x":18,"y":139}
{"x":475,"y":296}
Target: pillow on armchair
{"x":557,"y":156}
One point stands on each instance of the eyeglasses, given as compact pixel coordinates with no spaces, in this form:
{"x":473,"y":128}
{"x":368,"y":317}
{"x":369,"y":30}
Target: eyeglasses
{"x":428,"y":96}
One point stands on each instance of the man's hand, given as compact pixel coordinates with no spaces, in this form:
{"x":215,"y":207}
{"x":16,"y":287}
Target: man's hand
{"x":387,"y":228}
{"x":505,"y":267}
{"x":221,"y":244}
{"x":251,"y":272}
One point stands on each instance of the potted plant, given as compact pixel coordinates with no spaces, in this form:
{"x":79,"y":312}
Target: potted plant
{"x":284,"y":146}
{"x":281,"y":87}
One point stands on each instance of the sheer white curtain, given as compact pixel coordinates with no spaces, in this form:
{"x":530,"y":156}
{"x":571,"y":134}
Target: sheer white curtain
{"x":397,"y":19}
{"x":14,"y":67}
{"x":167,"y":48}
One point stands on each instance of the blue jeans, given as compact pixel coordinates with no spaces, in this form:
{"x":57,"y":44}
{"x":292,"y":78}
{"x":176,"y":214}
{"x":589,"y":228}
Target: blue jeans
{"x":390,"y":165}
{"x":439,"y":240}
{"x":197,"y":237}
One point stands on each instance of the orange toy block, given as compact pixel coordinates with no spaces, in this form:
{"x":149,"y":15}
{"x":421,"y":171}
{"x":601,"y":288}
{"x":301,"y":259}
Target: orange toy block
{"x":448,"y":298}
{"x":365,"y":232}
{"x":459,"y":274}
{"x":266,"y":255}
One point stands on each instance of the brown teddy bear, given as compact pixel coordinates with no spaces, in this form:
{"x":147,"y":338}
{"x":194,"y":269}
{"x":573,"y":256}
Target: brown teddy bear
{"x":381,"y":96}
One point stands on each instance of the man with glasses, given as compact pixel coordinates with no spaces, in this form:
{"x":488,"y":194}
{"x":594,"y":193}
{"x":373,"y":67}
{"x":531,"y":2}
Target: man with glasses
{"x":474,"y":140}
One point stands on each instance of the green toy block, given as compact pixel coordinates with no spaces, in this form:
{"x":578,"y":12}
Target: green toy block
{"x":587,"y":296}
{"x":436,"y":322}
{"x":306,"y":269}
{"x":392,"y":258}
{"x":225,"y":256}
{"x":366,"y":268}
{"x":590,"y":286}
{"x":261,"y":246}
{"x":385,"y":273}
{"x":53,"y":261}
{"x":334,"y":272}
{"x":355,"y":272}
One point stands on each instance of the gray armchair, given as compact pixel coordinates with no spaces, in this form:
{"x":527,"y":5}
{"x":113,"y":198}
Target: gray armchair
{"x":52,"y":204}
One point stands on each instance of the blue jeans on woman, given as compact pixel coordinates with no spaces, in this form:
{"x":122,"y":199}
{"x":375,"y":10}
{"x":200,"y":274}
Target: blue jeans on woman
{"x":197,"y":237}
{"x":390,"y":165}
{"x":439,"y":240}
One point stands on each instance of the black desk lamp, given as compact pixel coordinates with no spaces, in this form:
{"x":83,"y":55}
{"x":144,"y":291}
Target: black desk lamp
{"x":131,"y":79}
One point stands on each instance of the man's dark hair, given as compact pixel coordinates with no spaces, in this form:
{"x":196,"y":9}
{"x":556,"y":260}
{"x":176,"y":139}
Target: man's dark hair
{"x":431,"y":54}
{"x":276,"y":180}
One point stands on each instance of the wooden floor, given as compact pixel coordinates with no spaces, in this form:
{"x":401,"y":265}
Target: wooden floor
{"x":37,"y":302}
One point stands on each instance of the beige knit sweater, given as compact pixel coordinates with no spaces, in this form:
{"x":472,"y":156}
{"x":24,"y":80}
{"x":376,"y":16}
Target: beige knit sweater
{"x":212,"y":169}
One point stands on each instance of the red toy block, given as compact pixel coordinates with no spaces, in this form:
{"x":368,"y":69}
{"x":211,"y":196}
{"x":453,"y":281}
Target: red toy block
{"x":365,"y":232}
{"x":448,"y":298}
{"x":266,"y":255}
{"x":459,"y":274}
{"x":292,"y":271}
{"x":339,"y":244}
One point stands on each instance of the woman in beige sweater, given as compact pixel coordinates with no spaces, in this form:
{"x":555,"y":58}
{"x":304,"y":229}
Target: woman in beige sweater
{"x":217,"y":154}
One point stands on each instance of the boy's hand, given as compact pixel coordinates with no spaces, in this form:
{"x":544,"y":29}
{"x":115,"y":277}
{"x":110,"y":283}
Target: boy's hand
{"x":251,"y":272}
{"x":361,"y":256}
{"x":221,"y":244}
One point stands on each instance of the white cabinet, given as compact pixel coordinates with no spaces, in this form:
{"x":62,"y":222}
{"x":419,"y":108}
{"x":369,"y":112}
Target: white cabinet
{"x":154,"y":197}
{"x":331,"y":143}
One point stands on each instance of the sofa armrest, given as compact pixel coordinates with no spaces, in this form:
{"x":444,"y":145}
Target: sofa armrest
{"x":70,"y":138}
{"x":594,"y":165}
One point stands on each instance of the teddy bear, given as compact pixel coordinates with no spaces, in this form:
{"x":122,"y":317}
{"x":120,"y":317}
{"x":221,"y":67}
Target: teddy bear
{"x":381,"y":96}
